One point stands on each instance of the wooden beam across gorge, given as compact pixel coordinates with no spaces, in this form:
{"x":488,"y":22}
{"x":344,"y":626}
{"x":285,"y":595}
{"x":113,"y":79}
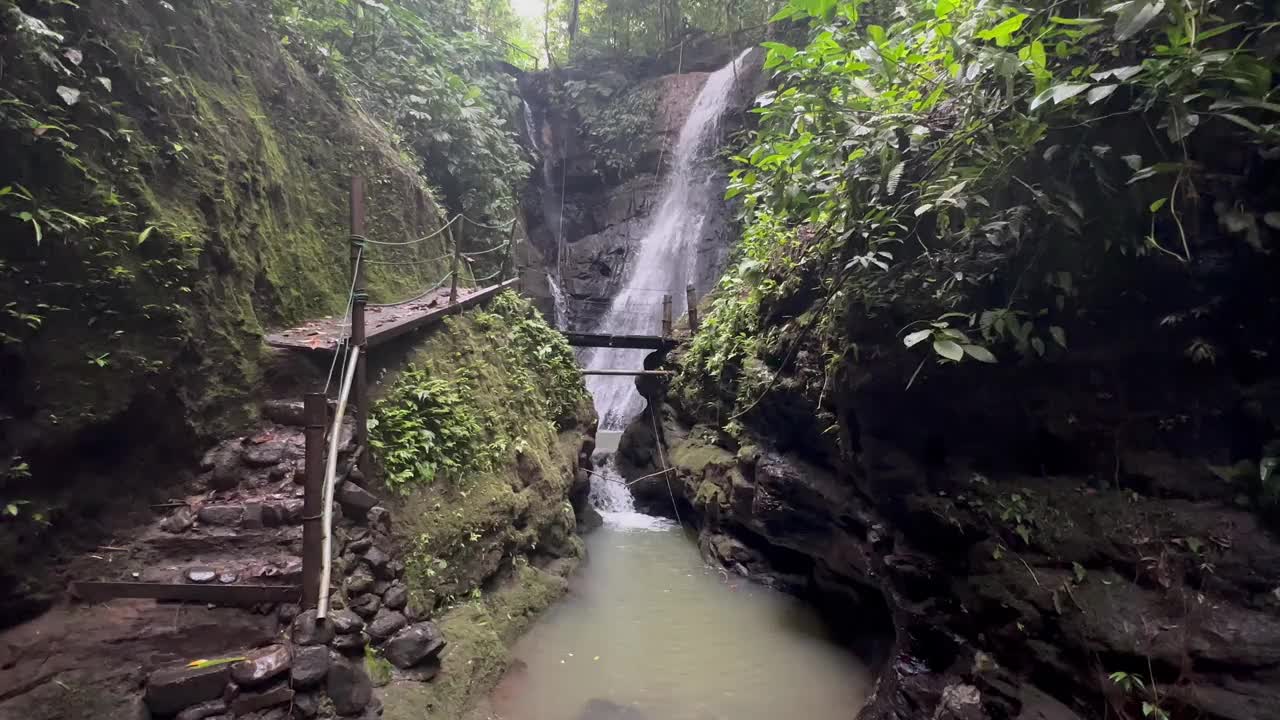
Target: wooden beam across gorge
{"x":636,"y":342}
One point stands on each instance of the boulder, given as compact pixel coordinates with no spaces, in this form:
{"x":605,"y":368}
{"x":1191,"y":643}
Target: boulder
{"x":179,"y":521}
{"x":285,"y":412}
{"x":396,"y":597}
{"x":225,"y":515}
{"x":224,"y":462}
{"x":366,"y":605}
{"x":378,"y":560}
{"x":348,"y":686}
{"x":249,"y":702}
{"x":175,"y":688}
{"x":203,"y":710}
{"x":265,"y":455}
{"x":359,"y":582}
{"x":355,"y":500}
{"x":385,"y":624}
{"x":350,"y":644}
{"x":262,"y":665}
{"x":308,"y":630}
{"x":414,"y":644}
{"x":310,"y":665}
{"x":306,"y":705}
{"x":379,"y":519}
{"x":345,"y":622}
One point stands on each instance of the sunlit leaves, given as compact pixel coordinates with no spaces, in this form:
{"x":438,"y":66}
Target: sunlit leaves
{"x":1059,"y":94}
{"x":1134,"y":15}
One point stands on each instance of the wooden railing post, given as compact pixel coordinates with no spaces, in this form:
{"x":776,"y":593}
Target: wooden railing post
{"x":314,"y":415}
{"x":666,"y":316}
{"x":360,"y":297}
{"x":509,"y":263}
{"x":691,"y":300}
{"x":457,"y":258}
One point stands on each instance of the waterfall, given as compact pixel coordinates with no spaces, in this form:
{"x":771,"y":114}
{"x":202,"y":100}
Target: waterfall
{"x":559,"y":303}
{"x":667,"y":252}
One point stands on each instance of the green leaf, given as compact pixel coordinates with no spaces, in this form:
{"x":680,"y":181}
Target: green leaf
{"x":1074,"y":21}
{"x":895,"y":175}
{"x":1134,"y":16}
{"x":1155,"y":206}
{"x":944,"y":8}
{"x":1038,"y":344}
{"x":916,"y":337}
{"x":877,"y":34}
{"x":1004,"y":29}
{"x":979,"y":353}
{"x":142,"y":236}
{"x":1059,"y":336}
{"x":1059,"y":94}
{"x":1100,"y":93}
{"x":1037,"y":55}
{"x":1120,"y":73}
{"x":1215,"y":32}
{"x":949,"y":349}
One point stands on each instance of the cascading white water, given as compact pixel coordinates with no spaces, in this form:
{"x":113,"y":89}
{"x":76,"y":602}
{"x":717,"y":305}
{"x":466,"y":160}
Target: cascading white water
{"x":559,"y":303}
{"x":667,"y":253}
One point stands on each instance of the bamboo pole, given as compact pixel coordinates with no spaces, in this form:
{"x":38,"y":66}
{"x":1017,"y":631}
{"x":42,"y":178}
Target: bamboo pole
{"x":330,"y":472}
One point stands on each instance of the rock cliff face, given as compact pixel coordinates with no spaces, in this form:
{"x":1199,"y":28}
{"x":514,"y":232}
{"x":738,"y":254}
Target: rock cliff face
{"x":604,"y":140}
{"x":1011,"y":560}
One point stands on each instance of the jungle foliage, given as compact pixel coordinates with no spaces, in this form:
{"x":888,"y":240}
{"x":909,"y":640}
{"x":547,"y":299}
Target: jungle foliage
{"x":989,"y":179}
{"x":579,"y":30}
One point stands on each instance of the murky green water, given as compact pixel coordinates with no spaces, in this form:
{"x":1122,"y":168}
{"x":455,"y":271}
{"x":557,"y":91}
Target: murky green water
{"x":648,"y":631}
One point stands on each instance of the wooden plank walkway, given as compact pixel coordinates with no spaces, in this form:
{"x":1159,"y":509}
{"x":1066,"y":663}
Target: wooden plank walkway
{"x":384,"y":322}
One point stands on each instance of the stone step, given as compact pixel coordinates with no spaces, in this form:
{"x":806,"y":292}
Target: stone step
{"x":274,"y":570}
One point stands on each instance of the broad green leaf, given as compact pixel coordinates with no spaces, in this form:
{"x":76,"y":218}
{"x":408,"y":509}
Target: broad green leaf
{"x":1215,"y":32}
{"x":877,"y":33}
{"x":1004,"y":29}
{"x":142,"y":236}
{"x":1134,"y":16}
{"x":1074,"y":21}
{"x":949,"y":349}
{"x":1155,"y":206}
{"x":916,"y":337}
{"x":1120,"y":73}
{"x":944,"y":8}
{"x":979,"y":353}
{"x":104,"y":82}
{"x":1100,"y":93}
{"x":1037,"y":55}
{"x":1059,"y":94}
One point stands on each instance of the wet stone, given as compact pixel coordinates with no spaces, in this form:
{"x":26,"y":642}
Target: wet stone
{"x":380,"y":587}
{"x":348,"y":686}
{"x":262,"y":665}
{"x":227,"y":578}
{"x":200,"y":576}
{"x":287,"y":612}
{"x":285,"y":412}
{"x":366,"y":605}
{"x":291,"y":511}
{"x":248,"y":702}
{"x":175,"y":688}
{"x":360,"y":543}
{"x":253,"y":516}
{"x":359,"y":582}
{"x":308,"y":630}
{"x":306,"y":705}
{"x":396,"y":597}
{"x":310,"y":665}
{"x":225,"y":515}
{"x":203,"y":710}
{"x":386,"y":623}
{"x":265,"y":455}
{"x":345,"y":622}
{"x":379,"y":519}
{"x":355,"y":500}
{"x":414,"y":644}
{"x":350,"y":644}
{"x":377,"y":559}
{"x":179,"y":521}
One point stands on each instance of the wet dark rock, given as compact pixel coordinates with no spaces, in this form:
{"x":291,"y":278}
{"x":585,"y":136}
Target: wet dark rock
{"x":396,"y":597}
{"x":598,"y":709}
{"x":285,"y":412}
{"x":253,"y":516}
{"x":345,"y":622}
{"x":203,"y":710}
{"x":355,"y":500}
{"x":248,"y":702}
{"x":424,"y":671}
{"x":308,"y":630}
{"x":366,"y":605}
{"x":360,"y":582}
{"x":306,"y":705}
{"x":291,"y":511}
{"x":265,"y":455}
{"x":179,"y":521}
{"x":262,"y":665}
{"x":377,"y":559}
{"x":414,"y":644}
{"x":360,"y":542}
{"x":380,"y":587}
{"x":310,"y":665}
{"x":225,"y":515}
{"x":288,"y":611}
{"x":379,"y":519}
{"x":224,"y":462}
{"x":175,"y":688}
{"x":352,"y":644}
{"x":200,"y":576}
{"x":386,"y":623}
{"x":348,"y":686}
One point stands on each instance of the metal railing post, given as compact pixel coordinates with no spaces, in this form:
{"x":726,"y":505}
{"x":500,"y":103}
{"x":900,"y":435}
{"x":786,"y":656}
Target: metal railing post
{"x":314,"y":407}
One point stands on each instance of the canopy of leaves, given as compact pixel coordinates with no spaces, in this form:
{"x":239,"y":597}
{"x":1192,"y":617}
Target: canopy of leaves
{"x":973,"y":172}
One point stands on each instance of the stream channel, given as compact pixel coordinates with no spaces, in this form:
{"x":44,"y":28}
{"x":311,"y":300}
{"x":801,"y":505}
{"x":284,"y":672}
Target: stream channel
{"x":648,"y":630}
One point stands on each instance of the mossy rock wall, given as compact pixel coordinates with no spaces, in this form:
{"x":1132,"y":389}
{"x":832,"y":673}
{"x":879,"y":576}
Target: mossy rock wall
{"x":207,"y":173}
{"x":488,"y":535}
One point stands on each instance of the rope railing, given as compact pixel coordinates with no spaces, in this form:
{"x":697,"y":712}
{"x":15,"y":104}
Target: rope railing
{"x":424,"y":238}
{"x":425,"y":293}
{"x":478,"y":253}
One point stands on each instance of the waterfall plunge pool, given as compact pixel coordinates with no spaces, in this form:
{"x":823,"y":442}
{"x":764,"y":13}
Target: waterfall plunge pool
{"x":649,"y":631}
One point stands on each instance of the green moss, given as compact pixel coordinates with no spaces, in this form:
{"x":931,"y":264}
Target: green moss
{"x":378,"y":667}
{"x":695,"y":456}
